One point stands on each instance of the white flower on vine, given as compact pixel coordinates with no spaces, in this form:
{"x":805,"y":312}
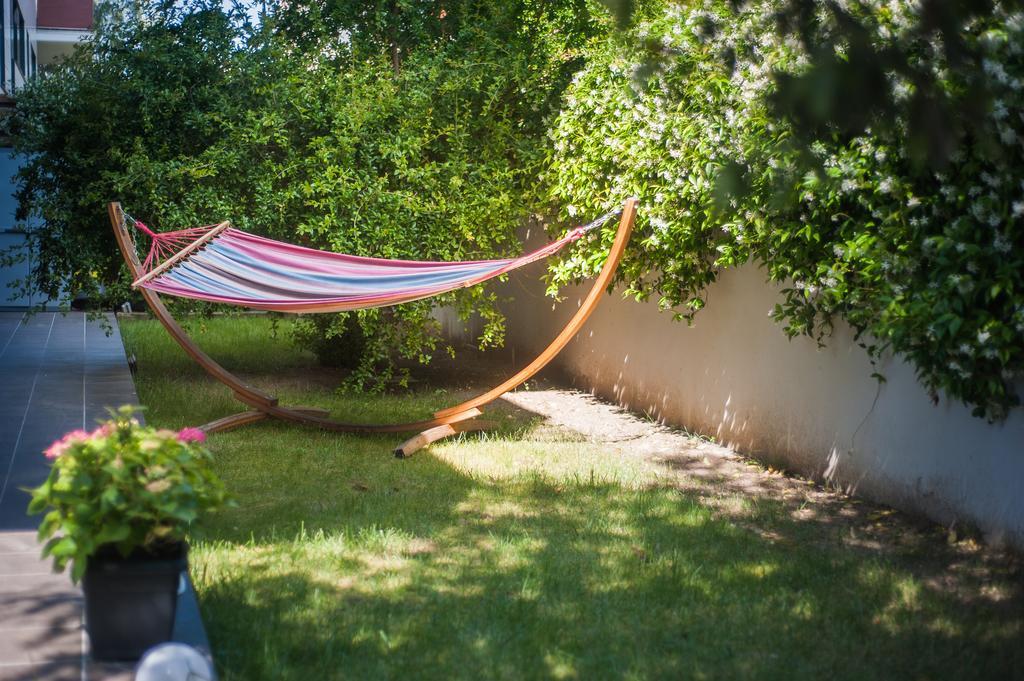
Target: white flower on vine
{"x":572,"y":210}
{"x":983,"y":337}
{"x":885,"y":186}
{"x":990,"y":179}
{"x":995,"y":70}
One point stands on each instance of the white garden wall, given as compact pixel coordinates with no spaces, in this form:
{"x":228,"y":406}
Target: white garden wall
{"x":734,"y":376}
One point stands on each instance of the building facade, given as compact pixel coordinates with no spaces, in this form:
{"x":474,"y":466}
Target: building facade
{"x":34,"y":34}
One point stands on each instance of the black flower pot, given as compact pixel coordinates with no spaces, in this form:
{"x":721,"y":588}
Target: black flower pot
{"x":130,"y":602}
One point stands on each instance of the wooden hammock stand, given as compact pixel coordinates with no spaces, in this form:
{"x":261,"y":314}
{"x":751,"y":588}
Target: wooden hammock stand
{"x":444,"y":423}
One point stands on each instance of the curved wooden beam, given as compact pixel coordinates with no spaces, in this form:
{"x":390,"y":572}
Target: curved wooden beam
{"x":572,"y":327}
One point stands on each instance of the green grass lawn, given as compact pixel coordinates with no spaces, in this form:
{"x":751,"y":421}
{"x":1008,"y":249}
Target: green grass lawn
{"x":532,"y":553}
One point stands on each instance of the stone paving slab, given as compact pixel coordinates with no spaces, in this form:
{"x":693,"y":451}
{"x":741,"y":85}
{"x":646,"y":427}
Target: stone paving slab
{"x":65,"y":670}
{"x":57,"y":373}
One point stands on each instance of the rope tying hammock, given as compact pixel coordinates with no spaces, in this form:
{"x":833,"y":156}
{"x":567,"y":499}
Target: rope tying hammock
{"x":220,"y":263}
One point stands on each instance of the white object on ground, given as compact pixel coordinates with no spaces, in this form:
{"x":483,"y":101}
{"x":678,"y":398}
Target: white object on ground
{"x":173,"y":662}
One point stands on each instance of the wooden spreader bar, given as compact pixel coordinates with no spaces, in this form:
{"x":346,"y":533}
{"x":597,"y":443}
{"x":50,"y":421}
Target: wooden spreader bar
{"x":181,"y":255}
{"x":444,"y":423}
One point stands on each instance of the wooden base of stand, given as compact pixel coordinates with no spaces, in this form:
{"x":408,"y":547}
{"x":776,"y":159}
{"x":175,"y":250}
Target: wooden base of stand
{"x":252,"y":416}
{"x":403,"y":451}
{"x":431,"y":435}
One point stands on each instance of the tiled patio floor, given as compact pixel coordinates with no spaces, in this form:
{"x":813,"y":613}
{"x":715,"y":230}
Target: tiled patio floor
{"x":57,"y":373}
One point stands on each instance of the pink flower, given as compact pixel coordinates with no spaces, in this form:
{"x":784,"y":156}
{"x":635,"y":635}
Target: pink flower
{"x":104,"y":430}
{"x":188,"y":435}
{"x":60,"y":446}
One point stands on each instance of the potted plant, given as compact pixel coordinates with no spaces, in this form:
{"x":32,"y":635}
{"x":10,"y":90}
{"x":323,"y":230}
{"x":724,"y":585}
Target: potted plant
{"x":121,"y":499}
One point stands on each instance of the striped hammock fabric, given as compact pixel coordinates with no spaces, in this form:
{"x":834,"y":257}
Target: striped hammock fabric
{"x":223,"y":264}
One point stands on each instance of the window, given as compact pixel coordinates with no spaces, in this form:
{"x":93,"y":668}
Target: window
{"x":19,"y":44}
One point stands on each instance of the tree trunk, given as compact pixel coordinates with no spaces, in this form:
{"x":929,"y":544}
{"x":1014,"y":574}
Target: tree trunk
{"x":396,"y":52}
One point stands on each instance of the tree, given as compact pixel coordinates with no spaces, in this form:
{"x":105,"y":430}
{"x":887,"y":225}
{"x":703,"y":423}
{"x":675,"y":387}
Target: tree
{"x":306,"y":129}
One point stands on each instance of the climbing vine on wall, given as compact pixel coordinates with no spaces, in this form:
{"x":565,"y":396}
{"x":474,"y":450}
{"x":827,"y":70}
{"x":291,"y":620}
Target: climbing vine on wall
{"x":922,"y":261}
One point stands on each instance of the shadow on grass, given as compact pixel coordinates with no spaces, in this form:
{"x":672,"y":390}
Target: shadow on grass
{"x":428,"y":572}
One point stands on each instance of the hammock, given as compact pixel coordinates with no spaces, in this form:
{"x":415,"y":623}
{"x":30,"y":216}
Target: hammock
{"x":222,"y":264}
